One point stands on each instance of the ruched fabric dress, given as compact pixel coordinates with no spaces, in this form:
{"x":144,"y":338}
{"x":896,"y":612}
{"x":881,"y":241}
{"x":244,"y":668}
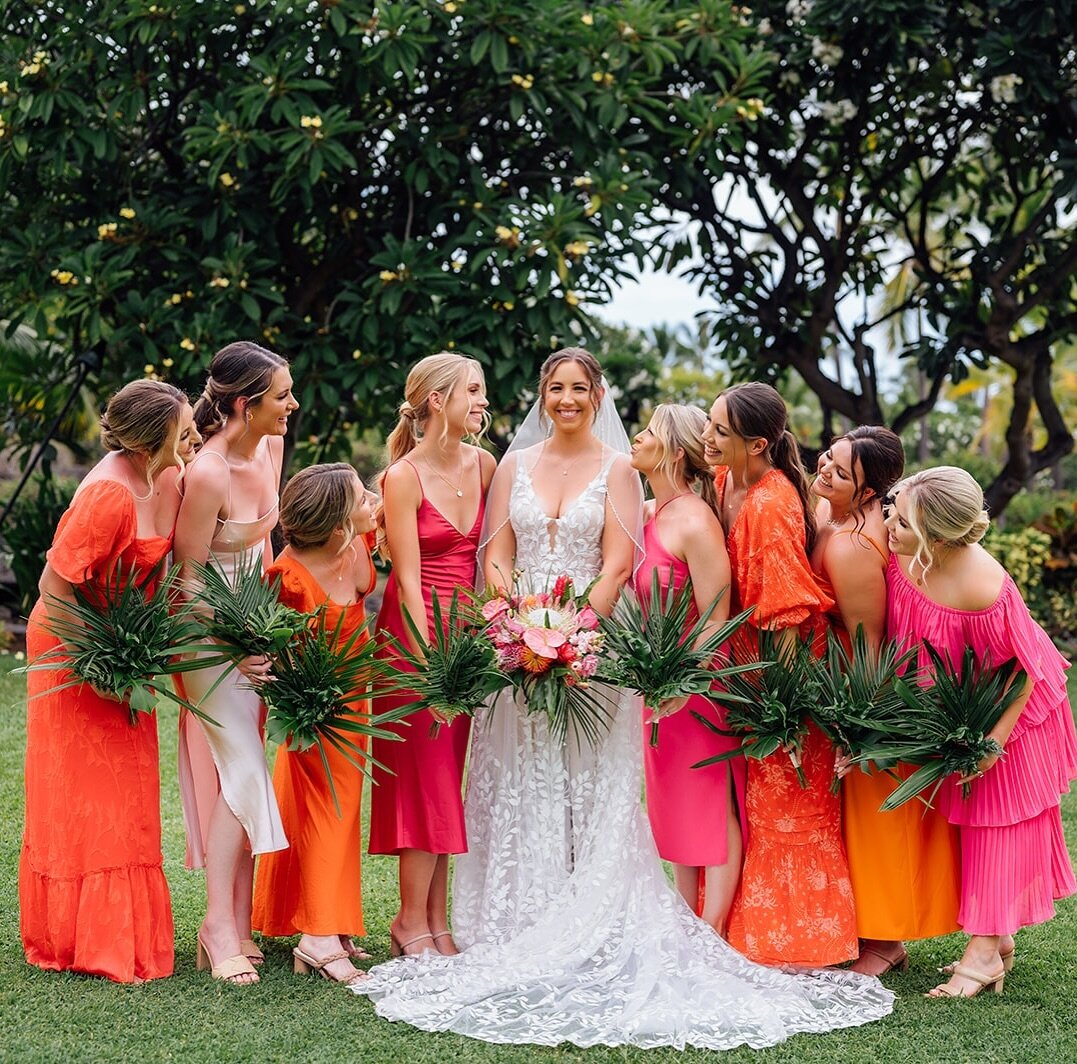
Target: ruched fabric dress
{"x":313,"y":887}
{"x":905,"y":865}
{"x":228,"y":758}
{"x":795,"y":901}
{"x":418,"y":804}
{"x":92,"y":891}
{"x":1014,"y":863}
{"x":688,"y":808}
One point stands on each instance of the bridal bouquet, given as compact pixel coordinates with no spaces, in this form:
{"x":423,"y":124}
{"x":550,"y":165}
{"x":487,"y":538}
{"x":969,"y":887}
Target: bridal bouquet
{"x":769,"y":701}
{"x":547,"y":645}
{"x":651,"y":649}
{"x":944,"y":727}
{"x":124,"y":641}
{"x":457,"y":670}
{"x":859,"y":701}
{"x":310,"y":697}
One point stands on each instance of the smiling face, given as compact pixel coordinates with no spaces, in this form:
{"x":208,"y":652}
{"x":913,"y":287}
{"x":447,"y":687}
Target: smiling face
{"x":900,"y":536}
{"x":466,"y":405}
{"x":187,"y":437}
{"x":721,"y":445}
{"x":267,"y":415}
{"x":568,"y":399}
{"x":838,"y":477}
{"x":362,"y":515}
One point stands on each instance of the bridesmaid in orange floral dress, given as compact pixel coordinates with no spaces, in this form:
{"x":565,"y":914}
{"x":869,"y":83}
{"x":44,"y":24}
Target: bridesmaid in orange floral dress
{"x":313,"y":887}
{"x":795,"y":902}
{"x":92,"y":891}
{"x":904,"y":864}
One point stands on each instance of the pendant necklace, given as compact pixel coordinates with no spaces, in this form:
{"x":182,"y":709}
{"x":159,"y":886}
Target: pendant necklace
{"x":459,"y":476}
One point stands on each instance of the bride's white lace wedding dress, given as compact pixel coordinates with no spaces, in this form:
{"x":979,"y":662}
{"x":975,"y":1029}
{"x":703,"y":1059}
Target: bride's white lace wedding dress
{"x":572,"y":932}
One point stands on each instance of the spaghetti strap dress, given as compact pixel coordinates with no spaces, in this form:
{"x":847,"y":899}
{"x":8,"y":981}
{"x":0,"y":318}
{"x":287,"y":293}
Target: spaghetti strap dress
{"x":228,"y":758}
{"x":313,"y":887}
{"x":794,"y":904}
{"x":417,"y":804}
{"x":92,"y":891}
{"x":688,"y":808}
{"x":904,"y":865}
{"x":1014,"y":862}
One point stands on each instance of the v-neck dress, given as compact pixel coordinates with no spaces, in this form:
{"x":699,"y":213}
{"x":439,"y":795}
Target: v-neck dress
{"x":417,"y":803}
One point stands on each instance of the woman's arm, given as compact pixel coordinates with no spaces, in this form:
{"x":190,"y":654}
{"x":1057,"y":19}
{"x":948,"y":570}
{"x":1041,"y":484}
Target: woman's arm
{"x":624,"y":505}
{"x":500,"y":550}
{"x":205,"y":493}
{"x":401,"y":498}
{"x":708,"y":566}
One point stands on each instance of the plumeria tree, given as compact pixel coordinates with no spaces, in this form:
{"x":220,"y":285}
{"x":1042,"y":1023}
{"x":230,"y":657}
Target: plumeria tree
{"x":916,"y":162}
{"x":354,"y":183}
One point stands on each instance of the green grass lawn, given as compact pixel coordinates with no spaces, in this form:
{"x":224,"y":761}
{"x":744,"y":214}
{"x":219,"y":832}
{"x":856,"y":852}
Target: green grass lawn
{"x":50,"y":1017}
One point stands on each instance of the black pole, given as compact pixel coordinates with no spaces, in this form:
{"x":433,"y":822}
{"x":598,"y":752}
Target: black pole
{"x":86,"y":363}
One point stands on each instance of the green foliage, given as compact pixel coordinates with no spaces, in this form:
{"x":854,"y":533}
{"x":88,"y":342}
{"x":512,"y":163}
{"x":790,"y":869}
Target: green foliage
{"x":356,"y":185}
{"x":28,"y":531}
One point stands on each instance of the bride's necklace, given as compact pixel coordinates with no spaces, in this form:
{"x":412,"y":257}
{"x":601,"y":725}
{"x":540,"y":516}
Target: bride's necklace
{"x":564,"y":471}
{"x":459,"y":492}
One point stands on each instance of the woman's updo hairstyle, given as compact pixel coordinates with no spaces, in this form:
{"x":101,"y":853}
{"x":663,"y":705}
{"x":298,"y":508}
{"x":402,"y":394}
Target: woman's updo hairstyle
{"x":679,"y":427}
{"x":242,"y":370}
{"x":757,"y":411}
{"x":881,"y":456}
{"x":440,"y":373}
{"x":316,"y":502}
{"x":143,"y":418}
{"x":945,"y":505}
{"x":586,"y":361}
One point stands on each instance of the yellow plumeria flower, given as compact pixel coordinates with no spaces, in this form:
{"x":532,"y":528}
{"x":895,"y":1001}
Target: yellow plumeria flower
{"x":311,"y":121}
{"x":219,"y":282}
{"x":127,"y":212}
{"x":577,"y":248}
{"x":388,"y":276}
{"x":188,"y":344}
{"x":226,"y":179}
{"x":357,"y":354}
{"x":149,"y":369}
{"x":168,"y":363}
{"x":582,"y":182}
{"x":572,"y":299}
{"x":64,"y":277}
{"x":450,"y":7}
{"x":587,"y":19}
{"x":106,"y":230}
{"x":3,"y":88}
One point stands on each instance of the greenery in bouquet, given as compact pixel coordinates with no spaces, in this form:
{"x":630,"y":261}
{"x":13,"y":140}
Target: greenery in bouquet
{"x":317,"y":679}
{"x":125,"y":640}
{"x":244,"y":614}
{"x":456,"y":672}
{"x":547,"y":645}
{"x":651,"y":649}
{"x":859,"y":703}
{"x":769,"y":702}
{"x":946,"y":723}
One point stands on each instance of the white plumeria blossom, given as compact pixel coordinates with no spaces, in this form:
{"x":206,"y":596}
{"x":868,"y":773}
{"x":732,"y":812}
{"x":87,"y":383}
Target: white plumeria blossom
{"x":826,"y":52}
{"x":798,"y":9}
{"x":1003,"y":88}
{"x":837,"y":110}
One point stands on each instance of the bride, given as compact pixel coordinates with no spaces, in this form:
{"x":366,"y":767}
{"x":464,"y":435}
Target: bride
{"x":571,"y":930}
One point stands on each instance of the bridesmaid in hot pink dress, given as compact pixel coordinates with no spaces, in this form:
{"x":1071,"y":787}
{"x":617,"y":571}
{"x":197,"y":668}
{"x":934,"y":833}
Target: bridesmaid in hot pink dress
{"x":947,"y":589}
{"x":432,"y":510}
{"x":694,"y":813}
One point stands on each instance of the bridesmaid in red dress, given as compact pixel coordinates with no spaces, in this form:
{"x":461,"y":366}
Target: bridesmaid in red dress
{"x":312,"y":888}
{"x":795,"y":901}
{"x":694,"y":813}
{"x":433,"y":495}
{"x":92,"y":891}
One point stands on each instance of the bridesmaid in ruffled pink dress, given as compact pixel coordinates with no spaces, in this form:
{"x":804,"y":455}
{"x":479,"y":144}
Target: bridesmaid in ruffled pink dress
{"x":947,"y":589}
{"x":432,"y":508}
{"x":694,"y":813}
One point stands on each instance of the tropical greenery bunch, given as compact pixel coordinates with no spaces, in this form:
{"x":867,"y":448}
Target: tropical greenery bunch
{"x":651,"y":649}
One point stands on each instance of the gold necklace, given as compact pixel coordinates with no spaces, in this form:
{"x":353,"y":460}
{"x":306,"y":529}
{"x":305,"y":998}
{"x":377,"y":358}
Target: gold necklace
{"x":564,"y":472}
{"x":459,"y":476}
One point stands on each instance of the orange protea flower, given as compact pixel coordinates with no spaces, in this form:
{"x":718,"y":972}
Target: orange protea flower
{"x":535,"y":663}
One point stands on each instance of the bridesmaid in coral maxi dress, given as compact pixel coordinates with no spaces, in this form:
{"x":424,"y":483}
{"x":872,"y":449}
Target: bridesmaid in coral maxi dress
{"x":313,"y":887}
{"x":795,"y":902}
{"x":904,"y":864}
{"x":946,"y":589}
{"x":92,"y":891}
{"x":694,"y":813}
{"x":433,"y":504}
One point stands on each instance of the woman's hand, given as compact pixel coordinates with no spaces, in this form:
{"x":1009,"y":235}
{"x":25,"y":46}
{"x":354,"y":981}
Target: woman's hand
{"x":257,"y":668}
{"x":843,"y":763}
{"x":668,"y":706}
{"x":985,"y":765}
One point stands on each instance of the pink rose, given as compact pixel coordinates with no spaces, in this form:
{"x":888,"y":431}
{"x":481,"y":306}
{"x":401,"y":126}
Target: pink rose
{"x":587,"y":619}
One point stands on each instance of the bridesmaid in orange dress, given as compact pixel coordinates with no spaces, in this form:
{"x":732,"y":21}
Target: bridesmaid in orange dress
{"x":694,"y":813}
{"x":313,"y":888}
{"x":433,"y":495}
{"x":795,"y":902}
{"x":92,"y":891}
{"x":904,"y":864}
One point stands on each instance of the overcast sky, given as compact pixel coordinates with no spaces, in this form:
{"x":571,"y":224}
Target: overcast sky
{"x":656,"y":298}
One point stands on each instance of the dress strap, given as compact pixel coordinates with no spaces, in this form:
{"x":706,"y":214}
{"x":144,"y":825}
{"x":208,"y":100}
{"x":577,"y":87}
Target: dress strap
{"x":221,"y":457}
{"x":408,"y":462}
{"x":672,"y":498}
{"x":884,"y":554}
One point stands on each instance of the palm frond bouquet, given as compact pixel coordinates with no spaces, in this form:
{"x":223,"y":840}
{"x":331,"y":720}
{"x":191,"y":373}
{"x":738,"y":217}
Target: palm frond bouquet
{"x":859,"y":703}
{"x":318,"y":676}
{"x":457,"y":670}
{"x":651,"y":649}
{"x":126,"y":639}
{"x":547,"y":646}
{"x":243,"y":613}
{"x":946,"y":721}
{"x":769,"y":702}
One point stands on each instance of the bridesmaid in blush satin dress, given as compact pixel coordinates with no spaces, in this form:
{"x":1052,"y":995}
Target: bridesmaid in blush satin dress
{"x":92,"y":891}
{"x":433,"y":495}
{"x":694,"y":813}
